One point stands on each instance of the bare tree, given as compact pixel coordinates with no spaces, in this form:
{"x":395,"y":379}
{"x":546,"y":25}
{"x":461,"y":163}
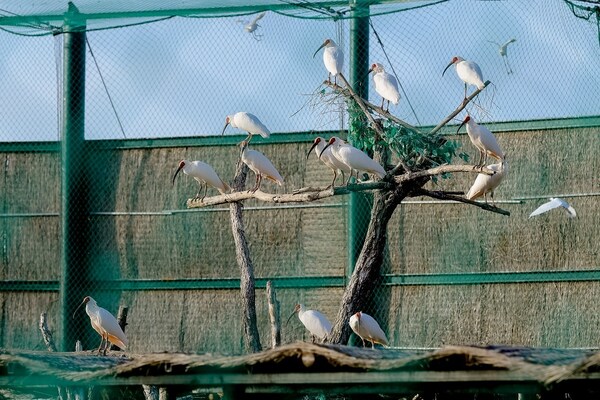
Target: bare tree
{"x":422,"y":156}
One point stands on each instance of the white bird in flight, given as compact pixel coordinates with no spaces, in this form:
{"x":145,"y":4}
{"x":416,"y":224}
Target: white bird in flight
{"x":247,"y":122}
{"x":252,"y":26}
{"x":333,"y":58}
{"x":385,"y":84}
{"x":204,"y":174}
{"x":502,"y":49}
{"x":468,"y":72}
{"x":483,"y":139}
{"x":368,"y":329}
{"x":328,"y":159}
{"x":317,"y":324}
{"x":554,"y":202}
{"x":105,"y":324}
{"x":354,"y":158}
{"x":485,"y":183}
{"x":260,"y":165}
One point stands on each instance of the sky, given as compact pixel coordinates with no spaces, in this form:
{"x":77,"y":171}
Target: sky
{"x":182,"y":76}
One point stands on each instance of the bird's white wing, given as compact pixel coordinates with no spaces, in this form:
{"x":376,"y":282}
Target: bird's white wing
{"x":552,"y":204}
{"x":111,"y":326}
{"x":259,"y":16}
{"x":316,"y":323}
{"x":251,"y":123}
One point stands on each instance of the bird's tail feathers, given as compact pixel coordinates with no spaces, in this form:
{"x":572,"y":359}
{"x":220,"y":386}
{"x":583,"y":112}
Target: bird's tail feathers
{"x":117,"y":342}
{"x":226,"y":189}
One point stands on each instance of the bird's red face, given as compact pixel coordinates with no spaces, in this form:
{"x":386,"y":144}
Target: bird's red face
{"x":327,"y":42}
{"x":467,"y":119}
{"x":455,"y":60}
{"x":315,"y":143}
{"x":227,"y":120}
{"x":358,"y":315}
{"x":179,"y":168}
{"x":331,"y":141}
{"x":86,"y":299}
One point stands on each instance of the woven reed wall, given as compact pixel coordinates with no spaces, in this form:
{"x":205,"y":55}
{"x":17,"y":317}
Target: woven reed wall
{"x":423,"y":238}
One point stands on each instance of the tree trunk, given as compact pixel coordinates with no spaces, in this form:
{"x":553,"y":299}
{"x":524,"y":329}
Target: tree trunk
{"x":251,"y":337}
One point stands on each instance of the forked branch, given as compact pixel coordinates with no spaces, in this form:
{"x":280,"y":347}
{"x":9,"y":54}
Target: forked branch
{"x":446,"y":196}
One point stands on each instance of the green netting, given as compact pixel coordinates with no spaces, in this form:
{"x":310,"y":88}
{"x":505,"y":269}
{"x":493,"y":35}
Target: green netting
{"x":160,"y":78}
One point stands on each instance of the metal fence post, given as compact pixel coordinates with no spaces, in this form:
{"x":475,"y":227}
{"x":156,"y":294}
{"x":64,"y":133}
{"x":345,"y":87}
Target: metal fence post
{"x":74,"y":211}
{"x":359,"y":204}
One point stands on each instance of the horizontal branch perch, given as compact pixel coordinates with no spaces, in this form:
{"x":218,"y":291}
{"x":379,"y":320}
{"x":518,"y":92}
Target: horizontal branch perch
{"x":309,"y":194}
{"x":446,"y":196}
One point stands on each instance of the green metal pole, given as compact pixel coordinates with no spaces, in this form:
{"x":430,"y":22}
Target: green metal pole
{"x":359,"y":204}
{"x":73,"y":178}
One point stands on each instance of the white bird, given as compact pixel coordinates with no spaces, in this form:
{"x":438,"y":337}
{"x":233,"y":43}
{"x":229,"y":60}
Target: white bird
{"x":485,"y":184}
{"x":368,"y":329}
{"x":502,"y":49}
{"x":328,"y":159}
{"x":260,"y":165}
{"x":105,"y":324}
{"x":252,"y":26}
{"x":552,"y":204}
{"x":483,"y":139}
{"x":317,"y":324}
{"x":468,"y":72}
{"x":385,"y":84}
{"x":354,"y":158}
{"x":333,"y":58}
{"x":204,"y":174}
{"x":247,"y":122}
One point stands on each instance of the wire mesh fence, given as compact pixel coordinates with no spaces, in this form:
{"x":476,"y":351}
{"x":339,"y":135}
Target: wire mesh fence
{"x":89,"y":202}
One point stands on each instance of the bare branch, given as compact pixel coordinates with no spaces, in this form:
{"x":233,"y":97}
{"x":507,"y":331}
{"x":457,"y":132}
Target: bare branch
{"x":274,"y":316}
{"x":446,"y":196}
{"x":308,"y":194}
{"x":459,"y":109}
{"x":442,"y":169}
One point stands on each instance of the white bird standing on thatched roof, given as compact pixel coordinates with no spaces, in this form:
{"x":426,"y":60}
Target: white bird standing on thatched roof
{"x":260,"y":165}
{"x":333,"y":58}
{"x":485,"y":183}
{"x":483,"y":139}
{"x":204,"y":174}
{"x":317,"y":324}
{"x":247,"y":122}
{"x":354,"y":158}
{"x":328,"y":159}
{"x":552,"y":204}
{"x":105,"y":324}
{"x":368,"y":329}
{"x":385,"y":84}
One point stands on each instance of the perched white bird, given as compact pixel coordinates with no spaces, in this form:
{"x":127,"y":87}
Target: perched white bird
{"x":105,"y":324}
{"x":485,"y":184}
{"x":502,"y":49}
{"x":204,"y":174}
{"x":385,"y":84}
{"x":252,"y":26}
{"x":354,"y":158}
{"x":552,"y":204}
{"x":333,"y":58}
{"x":247,"y":122}
{"x":483,"y":139}
{"x":317,"y":324}
{"x":328,"y":159}
{"x":468,"y":72}
{"x":368,"y":329}
{"x":260,"y":165}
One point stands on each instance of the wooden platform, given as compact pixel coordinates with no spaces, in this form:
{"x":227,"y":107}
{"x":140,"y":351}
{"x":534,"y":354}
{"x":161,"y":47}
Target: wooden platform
{"x":303,"y":368}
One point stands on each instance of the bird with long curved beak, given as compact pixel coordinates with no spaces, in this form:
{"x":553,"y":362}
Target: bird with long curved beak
{"x":386,"y":85}
{"x":368,"y":329}
{"x":468,"y":72}
{"x":316,"y":323}
{"x":483,"y":139}
{"x":328,"y":159}
{"x":260,"y":165}
{"x":204,"y":174}
{"x":105,"y":324}
{"x":333,"y":58}
{"x":355,"y":159}
{"x":247,"y":122}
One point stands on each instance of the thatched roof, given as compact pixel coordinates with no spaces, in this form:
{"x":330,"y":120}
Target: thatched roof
{"x":535,"y":366}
